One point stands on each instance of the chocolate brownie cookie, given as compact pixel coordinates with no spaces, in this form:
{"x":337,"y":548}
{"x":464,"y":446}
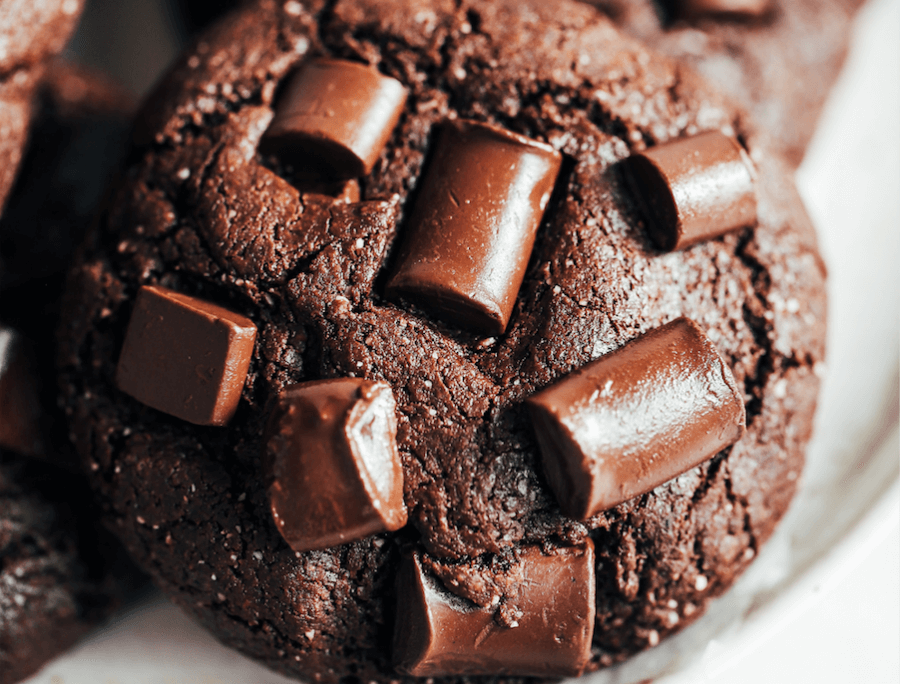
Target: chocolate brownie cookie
{"x":30,"y":32}
{"x":561,"y":250}
{"x":777,"y":58}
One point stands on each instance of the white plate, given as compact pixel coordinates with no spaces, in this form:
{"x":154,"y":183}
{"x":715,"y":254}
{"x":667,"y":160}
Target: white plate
{"x":850,"y":493}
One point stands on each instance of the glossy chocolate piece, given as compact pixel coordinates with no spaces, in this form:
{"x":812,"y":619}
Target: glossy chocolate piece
{"x":335,"y":117}
{"x":440,"y":634}
{"x":694,"y":189}
{"x":696,"y":9}
{"x":334,"y":467}
{"x":472,"y":229}
{"x":20,"y":407}
{"x":636,"y":418}
{"x":185,"y":357}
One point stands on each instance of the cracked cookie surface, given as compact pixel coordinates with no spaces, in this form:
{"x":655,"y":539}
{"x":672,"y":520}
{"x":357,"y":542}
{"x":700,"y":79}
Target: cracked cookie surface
{"x":199,"y":210}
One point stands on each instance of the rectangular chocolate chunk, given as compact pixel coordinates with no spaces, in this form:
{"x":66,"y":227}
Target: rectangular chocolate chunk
{"x":186,"y":357}
{"x":473,"y":226}
{"x":333,"y":463}
{"x":694,"y":189}
{"x":335,"y":117}
{"x":636,"y":418}
{"x":440,"y":634}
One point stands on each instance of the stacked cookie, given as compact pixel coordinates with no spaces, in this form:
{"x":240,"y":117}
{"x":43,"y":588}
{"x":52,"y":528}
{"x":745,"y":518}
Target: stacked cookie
{"x":30,"y":32}
{"x":444,"y":339}
{"x":61,"y":132}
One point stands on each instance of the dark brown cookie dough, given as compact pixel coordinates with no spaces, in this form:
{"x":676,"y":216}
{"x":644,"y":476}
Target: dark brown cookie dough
{"x":200,"y":212}
{"x":779,"y":65}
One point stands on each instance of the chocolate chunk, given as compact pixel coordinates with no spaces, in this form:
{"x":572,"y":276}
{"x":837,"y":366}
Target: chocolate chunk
{"x":20,"y":407}
{"x":333,"y":461}
{"x":693,"y":9}
{"x":185,"y":357}
{"x":636,"y":418}
{"x":440,"y":634}
{"x":336,"y":117}
{"x":473,"y":226}
{"x":694,"y":189}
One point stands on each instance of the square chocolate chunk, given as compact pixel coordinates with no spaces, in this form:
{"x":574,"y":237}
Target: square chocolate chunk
{"x":185,"y":357}
{"x":335,"y":470}
{"x":440,"y":634}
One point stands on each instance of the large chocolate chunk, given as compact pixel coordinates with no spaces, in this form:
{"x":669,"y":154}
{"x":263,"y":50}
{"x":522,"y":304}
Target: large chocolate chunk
{"x":440,"y":634}
{"x":694,"y":189}
{"x":20,"y":407}
{"x":636,"y":418}
{"x":473,"y":226}
{"x":185,"y":357}
{"x":334,"y":467}
{"x":335,"y":117}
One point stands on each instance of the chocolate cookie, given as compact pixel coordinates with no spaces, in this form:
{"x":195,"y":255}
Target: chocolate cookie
{"x":777,"y":58}
{"x":30,"y":32}
{"x":260,"y":348}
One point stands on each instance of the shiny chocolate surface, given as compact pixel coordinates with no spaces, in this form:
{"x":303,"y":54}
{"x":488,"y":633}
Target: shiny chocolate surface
{"x":333,"y":462}
{"x":473,"y":227}
{"x":335,"y":117}
{"x":184,"y":356}
{"x":694,"y":189}
{"x":440,"y":634}
{"x":636,"y":418}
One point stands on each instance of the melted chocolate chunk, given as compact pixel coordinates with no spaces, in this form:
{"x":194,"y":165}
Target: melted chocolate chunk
{"x":185,"y":357}
{"x":473,"y":227}
{"x":694,"y":189}
{"x":636,"y":418}
{"x":335,"y":471}
{"x":440,"y":634}
{"x":336,"y":117}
